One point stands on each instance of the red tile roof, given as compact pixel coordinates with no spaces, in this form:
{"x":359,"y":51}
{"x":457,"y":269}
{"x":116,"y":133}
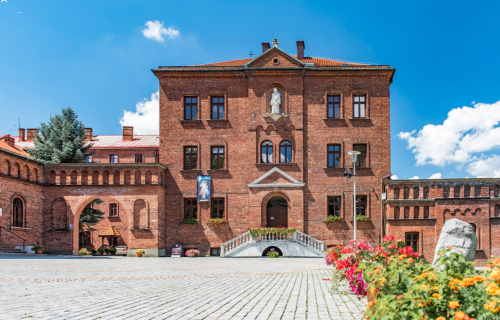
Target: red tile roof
{"x":16,"y":149}
{"x":110,"y":142}
{"x":316,"y":61}
{"x":109,"y":231}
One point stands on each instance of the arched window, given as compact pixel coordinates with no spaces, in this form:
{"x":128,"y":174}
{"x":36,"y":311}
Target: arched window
{"x":62,"y":178}
{"x":497,"y":210}
{"x":116,"y":177}
{"x":416,"y":193}
{"x":126,"y":177}
{"x":85,"y":177}
{"x":396,"y":193}
{"x":105,"y":177}
{"x":138,"y":177}
{"x":35,"y":175}
{"x":140,"y":215}
{"x":466,"y":191}
{"x":52,"y":177}
{"x":74,"y":177}
{"x":426,"y":192}
{"x":407,"y":212}
{"x":477,"y":191}
{"x":17,"y":213}
{"x":7,"y":167}
{"x":18,"y":170}
{"x":285,"y":152}
{"x":27,"y":173}
{"x":456,"y":192}
{"x":446,"y":192}
{"x":149,"y":177}
{"x":416,"y":212}
{"x":266,"y":151}
{"x":406,"y":192}
{"x":396,"y":213}
{"x":95,"y":177}
{"x":426,"y":212}
{"x":496,"y":191}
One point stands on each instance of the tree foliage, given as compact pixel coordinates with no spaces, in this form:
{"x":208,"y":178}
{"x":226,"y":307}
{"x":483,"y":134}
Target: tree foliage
{"x":61,"y":140}
{"x":91,"y":216}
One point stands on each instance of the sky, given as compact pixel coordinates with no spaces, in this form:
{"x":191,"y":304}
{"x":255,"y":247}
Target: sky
{"x":97,"y":56}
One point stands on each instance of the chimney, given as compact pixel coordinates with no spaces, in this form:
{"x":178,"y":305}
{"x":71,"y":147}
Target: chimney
{"x":128,"y":133}
{"x":89,"y":134}
{"x":265,"y":46}
{"x":22,"y":134}
{"x":9,"y":140}
{"x":300,"y":49}
{"x":31,"y":134}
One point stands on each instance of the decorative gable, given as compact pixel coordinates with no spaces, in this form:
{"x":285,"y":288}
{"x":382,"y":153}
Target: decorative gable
{"x":276,"y":178}
{"x":275,"y":58}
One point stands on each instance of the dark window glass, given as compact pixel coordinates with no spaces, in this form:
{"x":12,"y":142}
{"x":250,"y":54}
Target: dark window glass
{"x":446,"y":192}
{"x":496,"y":191}
{"x":217,"y":157}
{"x":426,"y":192}
{"x":266,"y":152}
{"x":406,"y":193}
{"x":88,"y":159}
{"x":456,"y":192}
{"x":333,"y":106}
{"x":113,"y":209}
{"x":416,"y":193}
{"x":214,"y":252}
{"x":397,"y":213}
{"x":333,"y":155}
{"x":396,"y":193}
{"x":138,"y":158}
{"x":285,"y":152}
{"x":190,"y":209}
{"x":361,"y":205}
{"x":359,"y":106}
{"x":477,"y":191}
{"x":18,"y":213}
{"x":190,"y":108}
{"x":407,"y":212}
{"x":334,"y":205}
{"x":412,"y":240}
{"x":466,"y":191}
{"x":217,"y":107}
{"x":190,"y":157}
{"x":113,"y":158}
{"x":217,"y":208}
{"x":361,"y":158}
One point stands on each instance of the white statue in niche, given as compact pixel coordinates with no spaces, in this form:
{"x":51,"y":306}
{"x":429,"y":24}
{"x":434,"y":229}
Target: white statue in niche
{"x":275,"y":101}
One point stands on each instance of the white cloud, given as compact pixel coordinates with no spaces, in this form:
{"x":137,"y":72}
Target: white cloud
{"x":436,"y":176}
{"x":156,"y":31}
{"x":146,"y":118}
{"x":466,"y":132}
{"x":487,"y":167}
{"x":394,"y":177}
{"x":414,"y":178}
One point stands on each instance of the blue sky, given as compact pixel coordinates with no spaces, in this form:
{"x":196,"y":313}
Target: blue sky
{"x":94,"y":56}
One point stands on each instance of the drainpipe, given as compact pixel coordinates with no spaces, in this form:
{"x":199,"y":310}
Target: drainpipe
{"x":382,"y":211}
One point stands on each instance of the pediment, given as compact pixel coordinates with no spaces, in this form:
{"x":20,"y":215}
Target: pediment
{"x":275,"y":58}
{"x":275,"y":178}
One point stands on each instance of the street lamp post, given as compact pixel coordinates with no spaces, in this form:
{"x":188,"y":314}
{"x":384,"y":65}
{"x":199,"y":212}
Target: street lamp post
{"x":354,"y":155}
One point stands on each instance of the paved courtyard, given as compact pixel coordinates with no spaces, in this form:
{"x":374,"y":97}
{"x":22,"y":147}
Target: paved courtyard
{"x":170,"y":288}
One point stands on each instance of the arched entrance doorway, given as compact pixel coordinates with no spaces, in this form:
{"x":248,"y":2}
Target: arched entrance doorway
{"x":277,"y":212}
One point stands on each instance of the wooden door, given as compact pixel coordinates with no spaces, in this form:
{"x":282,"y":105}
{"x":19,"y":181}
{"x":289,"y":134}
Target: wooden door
{"x":277,"y":217}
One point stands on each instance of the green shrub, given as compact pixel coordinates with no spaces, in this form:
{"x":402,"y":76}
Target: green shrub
{"x":216,"y":222}
{"x":255,"y":232}
{"x":37,"y":247}
{"x":330,"y":218}
{"x":106,"y":250}
{"x":83,"y":252}
{"x":94,"y":251}
{"x":140,"y":251}
{"x":360,"y":217}
{"x":100,"y":250}
{"x":112,"y":250}
{"x":190,"y":221}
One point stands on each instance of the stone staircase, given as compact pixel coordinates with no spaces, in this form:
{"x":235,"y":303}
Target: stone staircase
{"x":9,"y":248}
{"x":297,"y":244}
{"x":11,"y":242}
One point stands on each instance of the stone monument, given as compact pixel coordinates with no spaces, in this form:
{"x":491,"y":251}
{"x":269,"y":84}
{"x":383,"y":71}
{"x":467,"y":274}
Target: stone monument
{"x":461,"y":236}
{"x":275,"y":101}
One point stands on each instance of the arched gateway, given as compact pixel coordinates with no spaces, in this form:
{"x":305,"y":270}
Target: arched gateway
{"x":277,"y":212}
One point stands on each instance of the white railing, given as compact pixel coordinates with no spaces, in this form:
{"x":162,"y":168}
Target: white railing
{"x":246,"y":238}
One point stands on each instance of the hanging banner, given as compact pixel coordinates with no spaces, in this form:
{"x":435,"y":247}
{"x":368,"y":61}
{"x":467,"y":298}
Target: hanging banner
{"x":204,"y":188}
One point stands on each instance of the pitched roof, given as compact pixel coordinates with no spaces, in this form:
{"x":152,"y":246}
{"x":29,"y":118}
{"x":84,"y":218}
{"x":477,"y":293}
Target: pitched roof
{"x":110,"y":142}
{"x":16,"y":149}
{"x":109,"y":231}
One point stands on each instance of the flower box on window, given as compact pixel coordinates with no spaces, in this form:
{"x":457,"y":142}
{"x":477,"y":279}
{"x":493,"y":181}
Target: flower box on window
{"x":216,"y":222}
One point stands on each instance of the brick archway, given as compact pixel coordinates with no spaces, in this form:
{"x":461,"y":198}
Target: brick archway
{"x":265,"y":201}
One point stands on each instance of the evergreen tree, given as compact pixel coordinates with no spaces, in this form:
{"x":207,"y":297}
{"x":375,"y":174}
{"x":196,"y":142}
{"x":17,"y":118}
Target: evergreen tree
{"x":90,"y":216}
{"x":61,"y":140}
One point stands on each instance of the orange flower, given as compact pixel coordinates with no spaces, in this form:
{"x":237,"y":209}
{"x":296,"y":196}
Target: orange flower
{"x":410,"y":261}
{"x":490,"y":305}
{"x":467,"y":282}
{"x":400,"y":296}
{"x":493,"y":289}
{"x":381,"y":281}
{"x":454,"y":304}
{"x":495,"y":274}
{"x":479,"y":278}
{"x":459,"y":315}
{"x":440,"y":318}
{"x":436,"y":288}
{"x":425,"y":287}
{"x":455,"y":284}
{"x":436,"y":295}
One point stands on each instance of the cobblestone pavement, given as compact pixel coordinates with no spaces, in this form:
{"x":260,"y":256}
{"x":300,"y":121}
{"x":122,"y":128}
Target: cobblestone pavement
{"x":170,"y":288}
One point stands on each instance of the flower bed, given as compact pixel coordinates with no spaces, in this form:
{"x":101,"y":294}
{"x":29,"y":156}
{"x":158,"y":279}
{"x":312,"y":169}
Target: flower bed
{"x":256,"y":232}
{"x":273,"y":253}
{"x":192,"y":253}
{"x":216,"y":222}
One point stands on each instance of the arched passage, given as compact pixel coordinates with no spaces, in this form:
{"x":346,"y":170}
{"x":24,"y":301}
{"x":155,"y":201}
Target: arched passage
{"x":277,"y":212}
{"x":269,"y":249}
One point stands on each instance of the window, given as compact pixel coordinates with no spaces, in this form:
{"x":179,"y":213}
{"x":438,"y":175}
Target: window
{"x":496,"y":191}
{"x":217,"y":107}
{"x":406,"y":193}
{"x":416,"y":212}
{"x":217,"y":157}
{"x":190,"y":158}
{"x":190,"y":209}
{"x":17,"y":213}
{"x":497,"y":210}
{"x":456,"y":192}
{"x":446,"y":192}
{"x":359,"y":106}
{"x":361,"y":158}
{"x":407,"y":212}
{"x":217,"y":208}
{"x":426,"y":192}
{"x":412,"y":240}
{"x":88,"y":158}
{"x":285,"y":152}
{"x":426,"y":212}
{"x":138,"y":158}
{"x":466,"y":191}
{"x":333,"y":155}
{"x":333,"y":106}
{"x":266,"y":152}
{"x":113,"y":209}
{"x":190,"y":108}
{"x":397,"y":212}
{"x":334,"y":205}
{"x":477,"y":191}
{"x":396,"y":193}
{"x":416,"y":193}
{"x":113,"y":158}
{"x":361,"y":205}
{"x":214,"y":252}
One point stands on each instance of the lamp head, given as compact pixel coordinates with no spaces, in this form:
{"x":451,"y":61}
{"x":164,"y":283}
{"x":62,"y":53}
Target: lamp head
{"x":347,"y":174}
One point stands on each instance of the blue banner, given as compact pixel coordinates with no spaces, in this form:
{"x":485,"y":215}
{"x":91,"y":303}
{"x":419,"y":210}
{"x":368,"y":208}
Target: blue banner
{"x":204,"y":183}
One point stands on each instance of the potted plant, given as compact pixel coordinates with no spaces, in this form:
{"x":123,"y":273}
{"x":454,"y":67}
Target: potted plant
{"x":330,"y":218}
{"x":112,"y":251}
{"x":273,"y":253}
{"x":139,"y":252}
{"x":106,"y":251}
{"x":83,"y":252}
{"x":100,"y":250}
{"x":190,"y":221}
{"x":216,"y":222}
{"x":38,"y":248}
{"x":360,"y":217}
{"x":192,"y":253}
